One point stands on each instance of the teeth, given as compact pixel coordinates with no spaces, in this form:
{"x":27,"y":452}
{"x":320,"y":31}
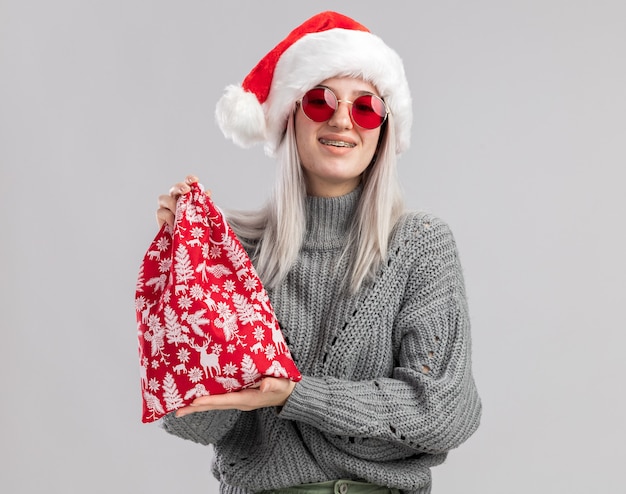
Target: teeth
{"x":340,"y":144}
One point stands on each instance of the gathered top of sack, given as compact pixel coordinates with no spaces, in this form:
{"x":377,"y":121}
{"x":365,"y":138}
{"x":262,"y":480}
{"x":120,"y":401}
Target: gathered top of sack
{"x":205,"y":322}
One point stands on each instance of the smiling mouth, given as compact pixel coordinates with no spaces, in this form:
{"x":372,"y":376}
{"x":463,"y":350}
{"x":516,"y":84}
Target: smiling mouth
{"x":339,"y":144}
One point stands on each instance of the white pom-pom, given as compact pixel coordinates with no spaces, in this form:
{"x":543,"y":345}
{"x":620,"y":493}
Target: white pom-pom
{"x":240,"y":117}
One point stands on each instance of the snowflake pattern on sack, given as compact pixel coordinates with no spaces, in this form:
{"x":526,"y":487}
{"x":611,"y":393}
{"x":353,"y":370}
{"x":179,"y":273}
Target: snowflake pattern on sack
{"x":205,"y":322}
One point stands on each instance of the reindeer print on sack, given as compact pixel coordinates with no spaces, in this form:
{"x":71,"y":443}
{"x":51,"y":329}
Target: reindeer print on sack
{"x":205,"y":322}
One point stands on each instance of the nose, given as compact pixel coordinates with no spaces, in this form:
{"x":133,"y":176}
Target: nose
{"x":341,"y":119}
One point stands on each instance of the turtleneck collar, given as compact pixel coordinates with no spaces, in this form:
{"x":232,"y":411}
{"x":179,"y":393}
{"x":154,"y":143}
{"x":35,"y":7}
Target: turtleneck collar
{"x":328,"y":219}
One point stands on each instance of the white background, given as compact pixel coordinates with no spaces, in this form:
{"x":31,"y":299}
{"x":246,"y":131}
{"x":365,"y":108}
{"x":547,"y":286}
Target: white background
{"x":519,"y":143}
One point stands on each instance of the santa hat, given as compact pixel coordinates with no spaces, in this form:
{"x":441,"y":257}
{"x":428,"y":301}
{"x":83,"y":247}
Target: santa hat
{"x":326,"y":45}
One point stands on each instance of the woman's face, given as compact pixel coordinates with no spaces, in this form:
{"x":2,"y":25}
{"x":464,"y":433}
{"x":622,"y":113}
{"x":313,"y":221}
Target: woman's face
{"x":334,"y":154}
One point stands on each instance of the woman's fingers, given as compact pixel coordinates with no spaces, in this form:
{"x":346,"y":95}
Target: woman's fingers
{"x":179,"y":189}
{"x":164,"y":216}
{"x":166,"y":211}
{"x":192,"y":179}
{"x":270,"y":392}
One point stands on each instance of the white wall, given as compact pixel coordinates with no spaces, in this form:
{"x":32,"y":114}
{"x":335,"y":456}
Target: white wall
{"x":519,"y":143}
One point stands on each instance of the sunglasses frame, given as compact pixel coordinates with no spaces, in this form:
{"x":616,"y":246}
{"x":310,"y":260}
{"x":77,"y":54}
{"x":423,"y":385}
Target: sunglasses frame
{"x":348,"y":102}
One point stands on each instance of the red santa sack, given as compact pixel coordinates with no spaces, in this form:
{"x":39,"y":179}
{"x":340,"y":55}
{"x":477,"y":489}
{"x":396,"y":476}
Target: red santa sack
{"x":205,"y":322}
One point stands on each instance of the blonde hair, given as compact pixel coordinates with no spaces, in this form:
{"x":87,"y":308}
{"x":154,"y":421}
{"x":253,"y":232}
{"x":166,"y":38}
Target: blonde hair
{"x":276,"y":232}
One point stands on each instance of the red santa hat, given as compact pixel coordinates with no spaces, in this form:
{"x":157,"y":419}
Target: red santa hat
{"x":326,"y":45}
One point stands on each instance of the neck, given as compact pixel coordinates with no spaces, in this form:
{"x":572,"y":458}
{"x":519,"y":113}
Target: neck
{"x":328,"y":219}
{"x":330,"y":189}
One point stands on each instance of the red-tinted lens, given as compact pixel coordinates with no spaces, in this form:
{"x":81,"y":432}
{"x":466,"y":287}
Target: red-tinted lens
{"x":368,"y":111}
{"x":319,"y":104}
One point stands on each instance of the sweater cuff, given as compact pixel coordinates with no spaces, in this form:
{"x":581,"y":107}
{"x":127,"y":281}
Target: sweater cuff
{"x":201,"y":427}
{"x":308,"y":402}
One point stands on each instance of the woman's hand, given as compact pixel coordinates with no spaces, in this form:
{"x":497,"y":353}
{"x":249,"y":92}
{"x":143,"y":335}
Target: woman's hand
{"x":271,"y":392}
{"x":166,"y":212}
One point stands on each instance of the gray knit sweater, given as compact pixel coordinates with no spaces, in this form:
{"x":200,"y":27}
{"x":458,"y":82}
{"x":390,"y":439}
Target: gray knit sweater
{"x":387,"y":387}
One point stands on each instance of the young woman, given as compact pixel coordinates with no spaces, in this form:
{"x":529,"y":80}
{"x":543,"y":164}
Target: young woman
{"x":370,"y":298}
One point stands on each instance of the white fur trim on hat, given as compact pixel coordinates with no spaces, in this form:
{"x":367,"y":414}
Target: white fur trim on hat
{"x":240,"y":116}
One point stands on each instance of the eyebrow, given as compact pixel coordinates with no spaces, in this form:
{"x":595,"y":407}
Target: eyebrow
{"x":357,"y":92}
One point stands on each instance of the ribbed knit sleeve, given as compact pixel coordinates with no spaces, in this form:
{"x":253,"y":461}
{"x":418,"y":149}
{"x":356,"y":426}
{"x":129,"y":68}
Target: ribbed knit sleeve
{"x":201,"y":427}
{"x":429,"y":404}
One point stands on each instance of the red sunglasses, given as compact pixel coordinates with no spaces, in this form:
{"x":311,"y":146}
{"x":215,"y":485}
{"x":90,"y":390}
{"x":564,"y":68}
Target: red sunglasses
{"x":368,"y":111}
